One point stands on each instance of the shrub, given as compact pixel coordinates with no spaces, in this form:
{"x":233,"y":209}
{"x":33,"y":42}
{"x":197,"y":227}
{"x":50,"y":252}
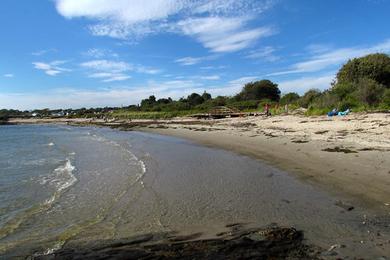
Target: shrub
{"x":369,"y":91}
{"x":289,"y":98}
{"x":308,"y":97}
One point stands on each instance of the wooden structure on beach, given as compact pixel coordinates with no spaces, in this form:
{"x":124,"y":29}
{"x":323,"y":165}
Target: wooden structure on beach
{"x":220,"y":112}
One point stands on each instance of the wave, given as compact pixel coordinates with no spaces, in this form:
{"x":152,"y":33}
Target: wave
{"x":139,"y":177}
{"x":62,"y":178}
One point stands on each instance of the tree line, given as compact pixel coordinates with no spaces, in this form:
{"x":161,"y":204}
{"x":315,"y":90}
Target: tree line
{"x":361,"y":84}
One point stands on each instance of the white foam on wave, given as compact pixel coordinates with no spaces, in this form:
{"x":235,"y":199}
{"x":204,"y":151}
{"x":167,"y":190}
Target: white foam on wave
{"x":65,"y":174}
{"x":62,"y":178}
{"x":50,"y":144}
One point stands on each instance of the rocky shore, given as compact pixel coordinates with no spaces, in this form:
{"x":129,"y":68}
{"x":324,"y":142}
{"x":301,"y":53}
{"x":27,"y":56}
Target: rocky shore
{"x":237,"y":243}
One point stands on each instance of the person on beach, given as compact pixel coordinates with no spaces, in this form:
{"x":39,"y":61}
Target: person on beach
{"x":267,"y":108}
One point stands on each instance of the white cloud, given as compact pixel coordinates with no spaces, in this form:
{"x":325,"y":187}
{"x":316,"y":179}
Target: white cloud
{"x":107,"y":65}
{"x":265,"y":53}
{"x":99,"y":53}
{"x":302,"y":84}
{"x":213,"y":67}
{"x":205,"y":20}
{"x":109,"y":70}
{"x":42,"y":52}
{"x":211,"y":77}
{"x":187,"y":61}
{"x":223,"y":34}
{"x":8,"y":75}
{"x":51,"y":68}
{"x":76,"y":98}
{"x":332,"y":58}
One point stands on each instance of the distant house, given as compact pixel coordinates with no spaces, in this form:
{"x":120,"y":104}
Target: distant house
{"x":58,"y":114}
{"x":34,"y":114}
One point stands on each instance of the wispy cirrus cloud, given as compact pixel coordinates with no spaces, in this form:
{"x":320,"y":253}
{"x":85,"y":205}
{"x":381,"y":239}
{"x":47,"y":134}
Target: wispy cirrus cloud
{"x":8,"y":75}
{"x":109,"y":70}
{"x":221,"y":26}
{"x":323,"y":58}
{"x":223,"y":34}
{"x":187,"y":61}
{"x":42,"y":52}
{"x":98,"y":53}
{"x":51,"y":68}
{"x":266,"y":53}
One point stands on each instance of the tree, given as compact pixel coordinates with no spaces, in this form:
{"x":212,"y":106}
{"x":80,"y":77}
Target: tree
{"x":195,"y":99}
{"x":263,"y":89}
{"x":309,"y":97}
{"x":164,"y":100}
{"x":374,"y":66}
{"x":289,"y":98}
{"x":206,"y":96}
{"x":149,"y":101}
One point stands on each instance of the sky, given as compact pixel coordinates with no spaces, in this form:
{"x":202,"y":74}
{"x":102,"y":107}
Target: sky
{"x":95,"y":53}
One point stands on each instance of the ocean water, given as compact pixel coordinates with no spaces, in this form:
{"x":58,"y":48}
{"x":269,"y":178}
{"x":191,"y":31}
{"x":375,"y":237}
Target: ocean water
{"x":63,"y":185}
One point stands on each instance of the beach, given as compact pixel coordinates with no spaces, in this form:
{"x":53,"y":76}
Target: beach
{"x":348,"y":155}
{"x":327,"y":177}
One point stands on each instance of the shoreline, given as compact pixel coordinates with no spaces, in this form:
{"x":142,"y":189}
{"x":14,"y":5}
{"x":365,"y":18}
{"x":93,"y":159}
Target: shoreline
{"x":345,"y":156}
{"x":283,"y":142}
{"x":355,"y":170}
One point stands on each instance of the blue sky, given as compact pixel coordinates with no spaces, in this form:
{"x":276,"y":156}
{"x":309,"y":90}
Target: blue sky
{"x":89,"y":53}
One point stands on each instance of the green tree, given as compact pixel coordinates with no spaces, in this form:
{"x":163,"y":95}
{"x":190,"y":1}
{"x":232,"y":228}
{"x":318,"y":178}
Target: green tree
{"x":195,"y":99}
{"x":289,"y":98}
{"x":309,"y":97}
{"x":206,"y":96}
{"x":263,"y":89}
{"x":374,"y":66}
{"x":149,"y":101}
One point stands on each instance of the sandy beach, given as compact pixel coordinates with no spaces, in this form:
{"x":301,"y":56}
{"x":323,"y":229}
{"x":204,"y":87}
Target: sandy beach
{"x":337,"y":167}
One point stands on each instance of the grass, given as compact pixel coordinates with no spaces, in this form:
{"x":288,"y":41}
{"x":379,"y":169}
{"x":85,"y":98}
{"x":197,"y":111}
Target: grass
{"x":123,"y":114}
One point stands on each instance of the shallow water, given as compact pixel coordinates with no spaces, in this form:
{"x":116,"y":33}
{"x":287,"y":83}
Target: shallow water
{"x":62,"y":184}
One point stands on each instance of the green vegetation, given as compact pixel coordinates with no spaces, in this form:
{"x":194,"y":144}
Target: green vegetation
{"x":361,"y":84}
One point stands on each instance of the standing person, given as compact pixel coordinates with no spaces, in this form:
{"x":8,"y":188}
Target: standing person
{"x":267,"y":107}
{"x":286,"y":108}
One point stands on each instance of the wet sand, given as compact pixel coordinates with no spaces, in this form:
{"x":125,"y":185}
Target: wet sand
{"x":344,"y":155}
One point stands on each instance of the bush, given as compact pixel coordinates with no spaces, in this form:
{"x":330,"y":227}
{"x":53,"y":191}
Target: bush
{"x":244,"y":105}
{"x":369,"y":91}
{"x":309,"y":97}
{"x":289,"y":98}
{"x":386,"y":99}
{"x":348,"y":103}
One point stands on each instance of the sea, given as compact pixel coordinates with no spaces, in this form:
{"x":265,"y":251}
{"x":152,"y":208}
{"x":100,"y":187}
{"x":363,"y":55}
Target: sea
{"x":62,"y":185}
